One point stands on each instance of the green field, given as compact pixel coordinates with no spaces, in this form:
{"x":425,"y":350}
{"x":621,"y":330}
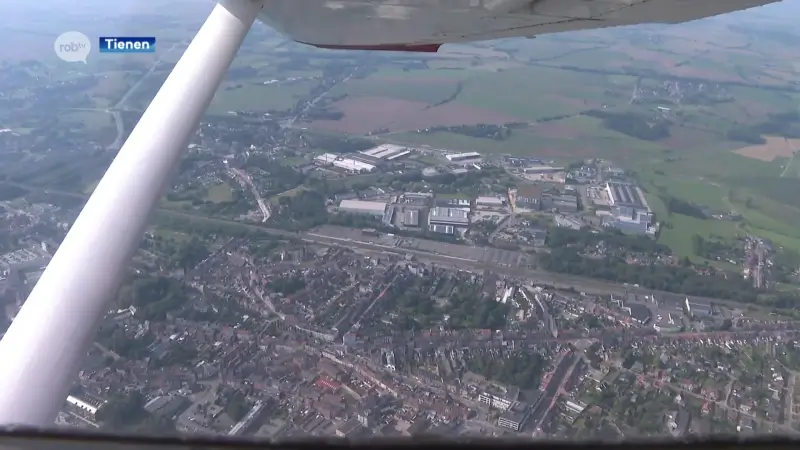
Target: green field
{"x":586,"y":138}
{"x":111,"y":87}
{"x":534,"y":93}
{"x":91,"y":120}
{"x":259,"y":97}
{"x":219,"y":193}
{"x":412,"y":90}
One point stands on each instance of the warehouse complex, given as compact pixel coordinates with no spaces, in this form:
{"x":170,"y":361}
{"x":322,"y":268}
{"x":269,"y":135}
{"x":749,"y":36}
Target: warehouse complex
{"x":388,"y":152}
{"x":350,"y":165}
{"x":448,"y":216}
{"x":464,"y":158}
{"x":630,"y":212}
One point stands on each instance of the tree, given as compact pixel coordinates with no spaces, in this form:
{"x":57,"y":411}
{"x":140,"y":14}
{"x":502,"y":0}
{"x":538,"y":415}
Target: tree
{"x":123,"y":411}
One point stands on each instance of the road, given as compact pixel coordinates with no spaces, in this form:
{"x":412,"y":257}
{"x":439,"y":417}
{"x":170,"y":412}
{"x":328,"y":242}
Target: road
{"x":262,"y":205}
{"x":116,"y":110}
{"x":290,"y":123}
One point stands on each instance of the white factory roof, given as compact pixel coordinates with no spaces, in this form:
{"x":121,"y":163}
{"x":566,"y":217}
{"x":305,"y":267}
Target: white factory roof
{"x":352,"y":164}
{"x":328,"y":158}
{"x":398,"y":155}
{"x":363,"y":205}
{"x":463,"y":155}
{"x":82,"y":404}
{"x":384,"y":151}
{"x":344,"y":163}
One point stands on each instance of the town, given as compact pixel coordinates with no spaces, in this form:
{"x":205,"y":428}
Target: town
{"x":399,"y":291}
{"x":300,"y":282}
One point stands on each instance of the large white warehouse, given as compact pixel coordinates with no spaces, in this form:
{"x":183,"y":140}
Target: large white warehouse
{"x":376,"y":209}
{"x":341,"y":162}
{"x":468,"y":157}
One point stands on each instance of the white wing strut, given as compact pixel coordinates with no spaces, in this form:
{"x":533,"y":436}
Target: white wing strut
{"x":45,"y":345}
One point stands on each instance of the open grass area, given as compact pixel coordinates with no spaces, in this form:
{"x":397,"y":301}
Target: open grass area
{"x":563,"y":141}
{"x":92,"y":120}
{"x":723,"y":181}
{"x":169,"y":234}
{"x":534,"y":92}
{"x":110,"y":88}
{"x":290,"y":193}
{"x":219,"y":193}
{"x":696,"y":191}
{"x":258,"y":97}
{"x":419,"y":89}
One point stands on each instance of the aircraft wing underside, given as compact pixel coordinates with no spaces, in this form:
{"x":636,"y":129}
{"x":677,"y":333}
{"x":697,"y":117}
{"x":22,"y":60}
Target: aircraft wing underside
{"x":421,"y":25}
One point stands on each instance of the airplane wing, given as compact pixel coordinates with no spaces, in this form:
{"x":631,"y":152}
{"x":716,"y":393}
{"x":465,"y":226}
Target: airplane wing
{"x":423,"y":25}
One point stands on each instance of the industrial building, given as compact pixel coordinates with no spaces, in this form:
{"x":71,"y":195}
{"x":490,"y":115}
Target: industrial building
{"x":411,"y":218}
{"x":453,"y":203}
{"x":388,"y":152}
{"x":695,"y":307}
{"x":376,"y":209}
{"x":514,"y":418}
{"x":630,"y":212}
{"x":85,"y":406}
{"x":542,"y":169}
{"x":563,"y":203}
{"x":340,"y":162}
{"x":494,"y":202}
{"x":416,"y":198}
{"x":625,"y":194}
{"x":529,"y":196}
{"x":466,"y":158}
{"x":637,"y":224}
{"x":638,"y":312}
{"x":448,"y":216}
{"x":499,"y":397}
{"x":442,"y":229}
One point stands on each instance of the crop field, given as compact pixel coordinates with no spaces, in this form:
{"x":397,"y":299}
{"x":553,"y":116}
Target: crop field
{"x":429,"y":90}
{"x":250,"y":97}
{"x":366,"y":114}
{"x":407,"y":101}
{"x":534,"y":93}
{"x":111,"y":87}
{"x":775,"y":147}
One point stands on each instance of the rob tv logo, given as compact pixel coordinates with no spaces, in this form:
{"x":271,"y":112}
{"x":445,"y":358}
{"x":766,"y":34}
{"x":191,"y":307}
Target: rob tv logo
{"x":118,"y":44}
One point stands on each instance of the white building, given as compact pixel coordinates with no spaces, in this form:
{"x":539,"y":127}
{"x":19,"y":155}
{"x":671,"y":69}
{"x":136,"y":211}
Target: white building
{"x":85,"y":407}
{"x":489,"y":201}
{"x":387,"y":152}
{"x":468,"y":157}
{"x":341,"y":162}
{"x":376,"y":209}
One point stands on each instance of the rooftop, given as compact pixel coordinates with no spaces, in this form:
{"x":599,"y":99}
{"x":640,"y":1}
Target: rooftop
{"x":625,"y":194}
{"x":529,"y":191}
{"x":455,"y":215}
{"x":385,"y":151}
{"x":377,"y":207}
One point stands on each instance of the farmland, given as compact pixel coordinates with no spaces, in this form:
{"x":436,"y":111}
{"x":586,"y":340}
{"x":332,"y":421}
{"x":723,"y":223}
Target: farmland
{"x":775,"y":147}
{"x":365,"y":114}
{"x":258,"y":96}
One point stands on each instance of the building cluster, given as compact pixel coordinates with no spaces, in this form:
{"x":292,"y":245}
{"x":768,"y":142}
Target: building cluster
{"x":415,"y":210}
{"x":364,"y":161}
{"x":628,"y":209}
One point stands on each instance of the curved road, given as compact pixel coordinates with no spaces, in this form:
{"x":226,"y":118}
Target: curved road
{"x":116,"y":110}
